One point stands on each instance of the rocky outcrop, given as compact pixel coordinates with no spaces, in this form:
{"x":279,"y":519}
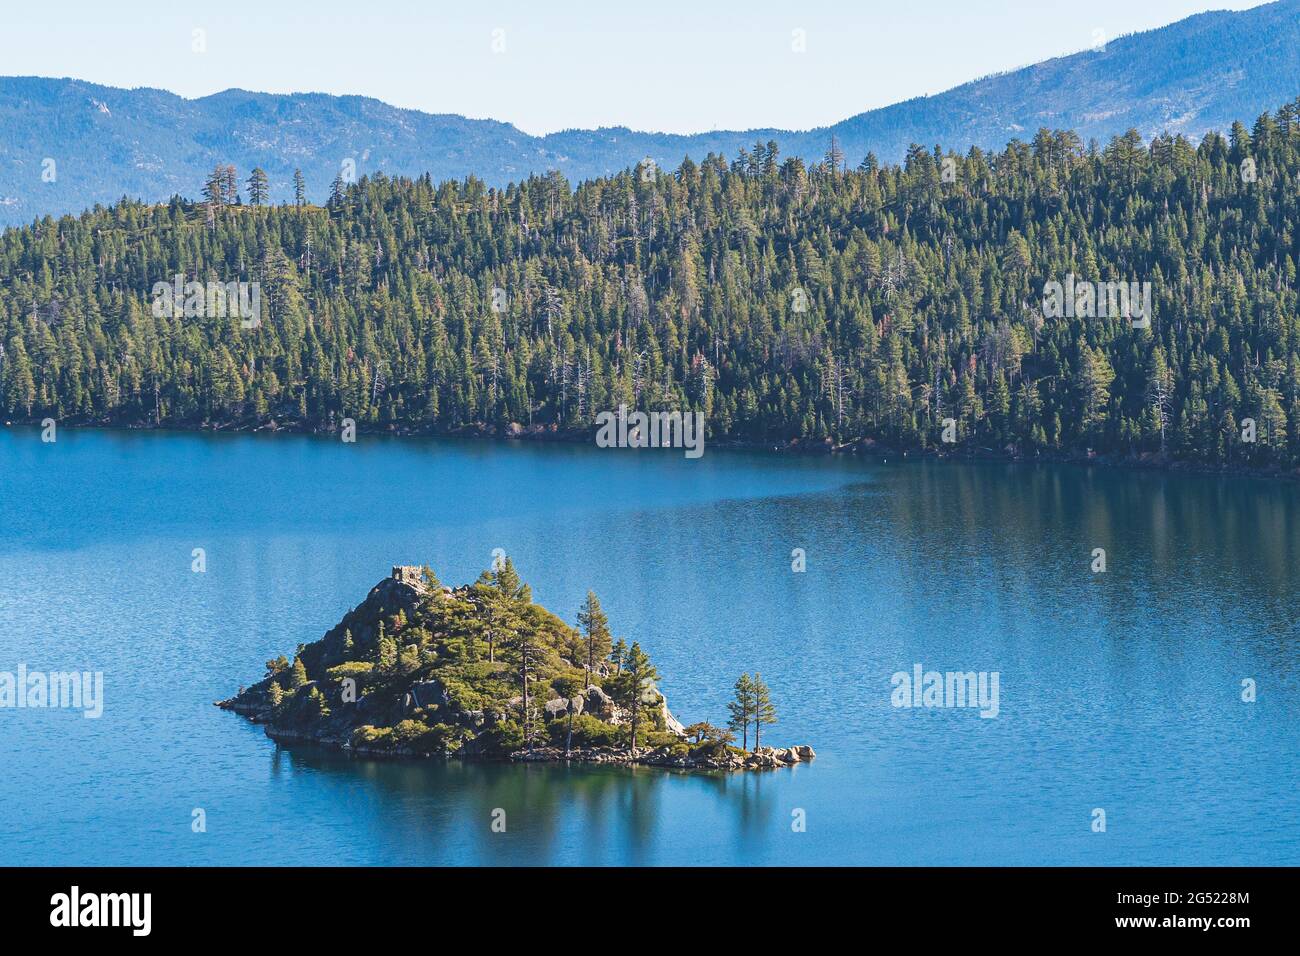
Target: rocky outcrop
{"x":769,"y":758}
{"x":558,"y":707}
{"x":677,"y":757}
{"x":671,"y":723}
{"x":385,"y":599}
{"x":425,"y":694}
{"x":599,"y":704}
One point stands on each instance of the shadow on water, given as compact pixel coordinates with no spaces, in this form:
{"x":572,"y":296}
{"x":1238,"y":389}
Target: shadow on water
{"x":575,"y":813}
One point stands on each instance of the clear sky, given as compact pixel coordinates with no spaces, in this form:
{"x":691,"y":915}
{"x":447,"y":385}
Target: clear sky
{"x":672,"y":65}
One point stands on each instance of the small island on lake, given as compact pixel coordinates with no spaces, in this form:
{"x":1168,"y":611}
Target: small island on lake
{"x":420,"y":669}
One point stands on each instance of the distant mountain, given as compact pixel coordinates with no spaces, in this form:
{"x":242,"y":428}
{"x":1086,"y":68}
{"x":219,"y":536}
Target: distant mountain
{"x":1192,"y":76}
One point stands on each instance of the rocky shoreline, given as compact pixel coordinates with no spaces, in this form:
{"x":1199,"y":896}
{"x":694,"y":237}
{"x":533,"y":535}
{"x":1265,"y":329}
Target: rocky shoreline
{"x":761,"y":758}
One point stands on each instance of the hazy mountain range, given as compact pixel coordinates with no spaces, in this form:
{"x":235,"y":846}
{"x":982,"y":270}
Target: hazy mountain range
{"x":1197,"y":74}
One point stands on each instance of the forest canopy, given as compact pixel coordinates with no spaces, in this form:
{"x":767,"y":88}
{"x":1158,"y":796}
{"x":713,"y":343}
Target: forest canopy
{"x":784,"y":300}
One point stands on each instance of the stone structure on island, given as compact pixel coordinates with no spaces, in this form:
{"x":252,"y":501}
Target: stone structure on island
{"x":410,"y":575}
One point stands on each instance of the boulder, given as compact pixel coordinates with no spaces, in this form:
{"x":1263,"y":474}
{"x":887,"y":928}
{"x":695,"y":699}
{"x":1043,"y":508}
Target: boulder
{"x":556,"y":707}
{"x":671,"y":723}
{"x":804,"y":751}
{"x":599,"y":703}
{"x":425,"y":694}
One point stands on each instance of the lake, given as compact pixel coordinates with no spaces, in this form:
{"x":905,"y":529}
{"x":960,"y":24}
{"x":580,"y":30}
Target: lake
{"x":1119,"y":691}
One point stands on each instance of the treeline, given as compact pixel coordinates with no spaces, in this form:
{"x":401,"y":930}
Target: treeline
{"x":784,"y":300}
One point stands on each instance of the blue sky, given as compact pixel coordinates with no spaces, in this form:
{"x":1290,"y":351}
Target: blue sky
{"x":668,"y":65}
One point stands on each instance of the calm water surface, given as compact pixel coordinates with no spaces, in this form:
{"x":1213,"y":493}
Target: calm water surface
{"x":1119,"y":691}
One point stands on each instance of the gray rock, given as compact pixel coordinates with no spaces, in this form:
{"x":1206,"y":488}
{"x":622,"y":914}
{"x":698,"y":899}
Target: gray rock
{"x":654,"y":696}
{"x":425,"y":694}
{"x":599,"y":703}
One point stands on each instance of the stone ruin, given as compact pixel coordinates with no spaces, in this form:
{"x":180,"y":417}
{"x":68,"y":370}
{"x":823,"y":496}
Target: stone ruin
{"x":411,"y":575}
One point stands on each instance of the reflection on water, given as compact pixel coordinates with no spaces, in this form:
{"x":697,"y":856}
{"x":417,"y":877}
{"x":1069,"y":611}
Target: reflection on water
{"x":1119,"y":690}
{"x":553,"y":813}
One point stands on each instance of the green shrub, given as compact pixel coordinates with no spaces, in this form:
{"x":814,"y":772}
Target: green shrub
{"x":505,"y":737}
{"x":408,"y":732}
{"x":370,"y":736}
{"x":445,"y":738}
{"x":712,"y":749}
{"x":588,"y":731}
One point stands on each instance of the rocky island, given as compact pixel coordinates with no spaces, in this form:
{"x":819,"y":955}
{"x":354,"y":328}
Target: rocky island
{"x":420,"y":669}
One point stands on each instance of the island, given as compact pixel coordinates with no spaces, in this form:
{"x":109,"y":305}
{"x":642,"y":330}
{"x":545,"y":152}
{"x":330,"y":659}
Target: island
{"x":421,"y":670}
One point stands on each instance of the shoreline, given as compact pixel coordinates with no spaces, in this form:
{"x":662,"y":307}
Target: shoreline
{"x":761,"y":758}
{"x":860,"y":447}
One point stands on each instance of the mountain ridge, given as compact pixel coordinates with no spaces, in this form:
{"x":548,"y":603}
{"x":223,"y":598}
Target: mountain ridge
{"x":1192,"y":76}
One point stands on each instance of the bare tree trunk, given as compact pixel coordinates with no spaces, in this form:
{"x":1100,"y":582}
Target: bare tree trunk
{"x":528,"y":737}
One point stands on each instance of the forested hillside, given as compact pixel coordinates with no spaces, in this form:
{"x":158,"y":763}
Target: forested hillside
{"x":782,"y":299}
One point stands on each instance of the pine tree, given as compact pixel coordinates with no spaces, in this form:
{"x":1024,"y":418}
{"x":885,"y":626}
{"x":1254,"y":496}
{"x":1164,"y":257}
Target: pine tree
{"x":595,"y":627}
{"x":258,"y":189}
{"x":499,"y":597}
{"x":299,"y":677}
{"x":630,"y":686}
{"x":834,"y":156}
{"x":527,"y":654}
{"x":299,"y":189}
{"x":764,"y":710}
{"x":229,"y":185}
{"x":617,"y":655}
{"x":338,"y":192}
{"x":1095,"y":378}
{"x":385,"y":652}
{"x":568,"y":687}
{"x":742,"y":709}
{"x":214,"y":193}
{"x":506,"y":580}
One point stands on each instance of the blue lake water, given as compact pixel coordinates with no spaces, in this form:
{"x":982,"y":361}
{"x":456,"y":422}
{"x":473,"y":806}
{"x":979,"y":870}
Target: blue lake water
{"x":1119,"y":691}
